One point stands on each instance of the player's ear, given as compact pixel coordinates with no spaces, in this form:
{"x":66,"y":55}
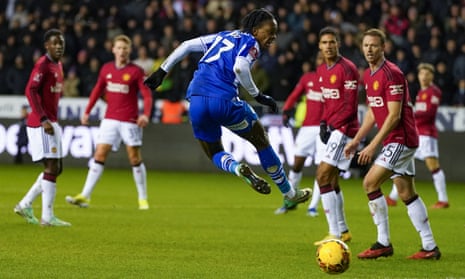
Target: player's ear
{"x":254,"y":31}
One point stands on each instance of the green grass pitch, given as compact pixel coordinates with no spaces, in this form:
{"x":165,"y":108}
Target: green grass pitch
{"x":207,"y":225}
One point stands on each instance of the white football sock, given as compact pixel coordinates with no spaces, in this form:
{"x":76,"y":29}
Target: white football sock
{"x":328,"y":201}
{"x":379,"y":211}
{"x":93,"y":175}
{"x":295,"y":178}
{"x":140,"y":178}
{"x":33,"y":192}
{"x":439,"y":180}
{"x":394,"y":195}
{"x":341,"y":217}
{"x":419,"y":217}
{"x":315,"y":195}
{"x":48,"y":197}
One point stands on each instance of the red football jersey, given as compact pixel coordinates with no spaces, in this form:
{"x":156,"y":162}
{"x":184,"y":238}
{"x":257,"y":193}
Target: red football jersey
{"x":339,"y":86}
{"x":43,"y":91}
{"x":120,"y":88}
{"x":388,"y":84}
{"x":426,"y":107}
{"x":308,"y":85}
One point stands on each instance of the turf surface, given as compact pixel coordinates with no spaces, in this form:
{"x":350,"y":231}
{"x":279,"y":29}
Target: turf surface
{"x":206,"y":226}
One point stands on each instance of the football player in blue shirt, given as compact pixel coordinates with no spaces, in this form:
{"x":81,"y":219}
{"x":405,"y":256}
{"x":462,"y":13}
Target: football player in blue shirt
{"x":214,"y":102}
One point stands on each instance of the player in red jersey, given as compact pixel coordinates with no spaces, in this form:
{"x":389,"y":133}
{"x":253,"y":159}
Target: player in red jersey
{"x":119,"y":82}
{"x":390,"y":109}
{"x":307,"y":142}
{"x":426,"y":108}
{"x":338,"y":78}
{"x":43,"y":92}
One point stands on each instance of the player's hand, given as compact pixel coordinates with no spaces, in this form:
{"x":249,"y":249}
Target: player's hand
{"x":48,"y":128}
{"x":142,"y":121}
{"x":85,"y":119}
{"x":366,"y":155}
{"x":350,"y":149}
{"x":155,"y":79}
{"x":287,"y":115}
{"x":325,"y":133}
{"x":267,"y":101}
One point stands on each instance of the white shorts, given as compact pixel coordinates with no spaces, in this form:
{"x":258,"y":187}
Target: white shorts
{"x":43,"y":145}
{"x":308,"y":144}
{"x":428,"y":148}
{"x":397,"y":158}
{"x":334,"y":152}
{"x":113,"y":132}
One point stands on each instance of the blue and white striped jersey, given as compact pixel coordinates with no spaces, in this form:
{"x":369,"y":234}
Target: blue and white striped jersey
{"x":215,"y":76}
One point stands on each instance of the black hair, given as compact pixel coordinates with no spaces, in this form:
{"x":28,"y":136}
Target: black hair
{"x":330,"y":30}
{"x":255,"y":18}
{"x":50,"y":33}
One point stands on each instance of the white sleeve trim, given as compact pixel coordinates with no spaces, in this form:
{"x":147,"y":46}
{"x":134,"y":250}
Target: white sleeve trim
{"x":242,"y":70}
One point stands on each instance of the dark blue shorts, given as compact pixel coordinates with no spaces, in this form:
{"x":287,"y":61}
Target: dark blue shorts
{"x":208,"y":114}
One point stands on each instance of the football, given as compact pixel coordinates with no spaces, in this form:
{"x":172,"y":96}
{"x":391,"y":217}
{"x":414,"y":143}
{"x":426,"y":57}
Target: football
{"x":333,"y":256}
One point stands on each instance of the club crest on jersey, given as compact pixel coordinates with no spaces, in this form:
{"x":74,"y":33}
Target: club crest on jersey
{"x":126,"y":77}
{"x":109,"y":76}
{"x":333,"y":79}
{"x":37,"y":77}
{"x":424,"y":96}
{"x":376,"y":85}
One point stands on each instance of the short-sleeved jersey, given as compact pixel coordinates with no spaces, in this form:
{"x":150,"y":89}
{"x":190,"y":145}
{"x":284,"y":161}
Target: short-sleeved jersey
{"x":120,"y":88}
{"x":388,"y":84}
{"x":426,"y":108}
{"x":215,"y":76}
{"x":43,"y":91}
{"x":308,"y":85}
{"x":339,"y":85}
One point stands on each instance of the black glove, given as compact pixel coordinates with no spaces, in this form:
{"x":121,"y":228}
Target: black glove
{"x":287,"y":115}
{"x":155,"y":79}
{"x":267,"y":101}
{"x":324,"y":132}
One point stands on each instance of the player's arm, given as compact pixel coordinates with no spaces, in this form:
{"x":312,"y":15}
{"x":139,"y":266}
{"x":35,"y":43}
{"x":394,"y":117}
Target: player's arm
{"x":95,"y":94}
{"x":288,"y":108}
{"x":350,"y":95}
{"x":36,"y":81}
{"x":367,"y":154}
{"x":295,"y":95}
{"x":198,"y":44}
{"x":244,"y":76}
{"x":143,"y":119}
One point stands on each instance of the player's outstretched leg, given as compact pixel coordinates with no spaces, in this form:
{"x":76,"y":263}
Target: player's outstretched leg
{"x":294,"y":179}
{"x":226,"y":162}
{"x":256,"y":182}
{"x":274,"y":168}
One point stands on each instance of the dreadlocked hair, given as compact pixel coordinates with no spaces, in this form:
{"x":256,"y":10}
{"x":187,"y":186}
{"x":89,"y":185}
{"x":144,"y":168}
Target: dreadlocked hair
{"x":255,"y":18}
